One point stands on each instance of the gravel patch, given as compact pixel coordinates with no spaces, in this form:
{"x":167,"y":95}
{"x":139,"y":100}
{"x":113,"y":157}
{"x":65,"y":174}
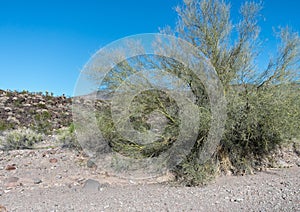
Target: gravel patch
{"x":274,"y":190}
{"x":57,"y":179}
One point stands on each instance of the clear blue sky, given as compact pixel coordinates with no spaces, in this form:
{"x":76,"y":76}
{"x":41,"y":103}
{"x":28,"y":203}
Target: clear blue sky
{"x":45,"y":43}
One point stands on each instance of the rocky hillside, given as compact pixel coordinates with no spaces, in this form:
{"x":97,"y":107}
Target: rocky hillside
{"x":41,"y":112}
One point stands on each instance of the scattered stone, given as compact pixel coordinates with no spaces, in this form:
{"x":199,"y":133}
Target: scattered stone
{"x":80,"y":180}
{"x":93,"y":185}
{"x":91,"y":164}
{"x":11,"y":167}
{"x":13,"y":185}
{"x":238,"y":200}
{"x":284,"y":196}
{"x":31,"y":154}
{"x":228,"y":190}
{"x":132,"y":182}
{"x":53,"y":160}
{"x":52,"y":151}
{"x":12,"y":182}
{"x":7,"y":109}
{"x":37,"y":181}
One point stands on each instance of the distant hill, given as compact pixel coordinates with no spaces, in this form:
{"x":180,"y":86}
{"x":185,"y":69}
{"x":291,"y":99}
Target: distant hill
{"x":34,"y":110}
{"x":39,"y":111}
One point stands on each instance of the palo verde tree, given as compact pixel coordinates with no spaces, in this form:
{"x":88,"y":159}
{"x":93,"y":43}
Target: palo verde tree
{"x":262,"y":103}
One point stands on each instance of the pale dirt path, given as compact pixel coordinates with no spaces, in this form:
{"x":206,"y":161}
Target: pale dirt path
{"x":40,"y":185}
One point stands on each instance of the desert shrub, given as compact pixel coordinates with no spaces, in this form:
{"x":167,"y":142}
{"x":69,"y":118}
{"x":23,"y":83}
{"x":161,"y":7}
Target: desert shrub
{"x":259,"y":122}
{"x":42,"y":122}
{"x":5,"y":126}
{"x":191,"y":173}
{"x":139,"y":118}
{"x":68,"y":137}
{"x":21,"y":138}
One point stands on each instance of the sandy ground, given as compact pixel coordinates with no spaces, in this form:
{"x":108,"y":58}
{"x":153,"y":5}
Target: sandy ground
{"x":57,"y":179}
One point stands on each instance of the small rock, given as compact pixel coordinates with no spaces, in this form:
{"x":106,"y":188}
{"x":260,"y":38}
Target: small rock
{"x":45,"y":155}
{"x":132,"y":182}
{"x":239,"y":200}
{"x":31,"y":154}
{"x":13,"y":185}
{"x":10,"y":167}
{"x":51,"y":151}
{"x":48,"y":152}
{"x":91,"y":164}
{"x":228,"y":190}
{"x":53,"y":160}
{"x":37,"y":181}
{"x":7,"y":109}
{"x":93,"y":185}
{"x":236,"y":200}
{"x":80,"y":180}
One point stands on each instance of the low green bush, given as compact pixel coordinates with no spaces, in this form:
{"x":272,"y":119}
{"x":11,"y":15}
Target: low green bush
{"x":68,"y":137}
{"x":22,"y":138}
{"x":5,"y":126}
